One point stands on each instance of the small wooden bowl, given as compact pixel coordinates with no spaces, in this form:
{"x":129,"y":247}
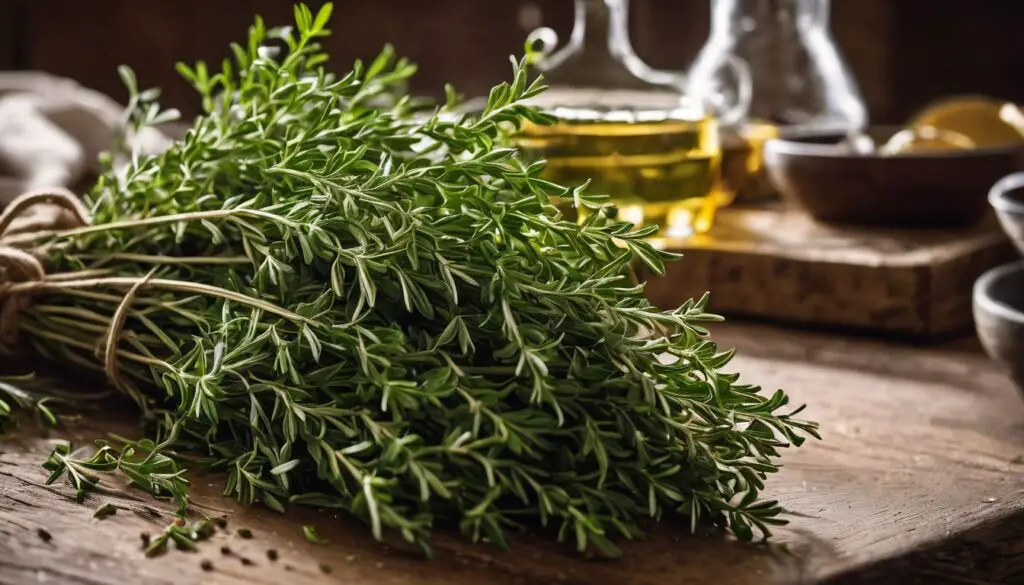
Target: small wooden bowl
{"x":926,"y":189}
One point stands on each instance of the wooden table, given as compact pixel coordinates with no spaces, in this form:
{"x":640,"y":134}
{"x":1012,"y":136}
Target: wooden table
{"x":919,"y":478}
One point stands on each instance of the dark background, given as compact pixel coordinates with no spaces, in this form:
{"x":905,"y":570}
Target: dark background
{"x":903,"y":52}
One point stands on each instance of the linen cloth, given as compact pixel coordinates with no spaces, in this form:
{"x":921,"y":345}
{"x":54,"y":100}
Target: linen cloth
{"x":52,"y":131}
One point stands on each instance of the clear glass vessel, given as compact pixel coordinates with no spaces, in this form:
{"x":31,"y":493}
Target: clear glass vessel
{"x":795,"y":80}
{"x":624,"y":126}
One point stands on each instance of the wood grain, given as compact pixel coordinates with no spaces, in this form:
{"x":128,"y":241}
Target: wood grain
{"x":778,"y":264}
{"x":9,"y":20}
{"x":935,"y":52}
{"x":916,"y":480}
{"x":902,"y":53}
{"x":438,"y":36}
{"x":152,"y":36}
{"x":88,"y":41}
{"x":870,"y":57}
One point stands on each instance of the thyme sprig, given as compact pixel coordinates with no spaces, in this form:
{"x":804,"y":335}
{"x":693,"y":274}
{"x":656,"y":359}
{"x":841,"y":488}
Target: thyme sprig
{"x":14,"y":397}
{"x":353,"y":305}
{"x":154,"y":473}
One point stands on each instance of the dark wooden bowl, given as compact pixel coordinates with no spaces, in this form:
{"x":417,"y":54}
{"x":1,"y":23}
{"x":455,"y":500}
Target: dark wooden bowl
{"x":999,"y":317}
{"x":928,"y":189}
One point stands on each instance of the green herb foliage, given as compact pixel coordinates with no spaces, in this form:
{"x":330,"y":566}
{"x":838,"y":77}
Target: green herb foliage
{"x":344,"y":303}
{"x":14,"y":397}
{"x":154,"y":473}
{"x":183,"y":534}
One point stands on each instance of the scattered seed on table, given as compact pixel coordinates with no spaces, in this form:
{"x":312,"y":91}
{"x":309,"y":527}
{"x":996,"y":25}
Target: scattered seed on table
{"x":207,"y":565}
{"x":245,"y":533}
{"x":247,"y":562}
{"x":221,"y":522}
{"x":325,"y":568}
{"x":225,"y":550}
{"x":145,"y":538}
{"x":44,"y":535}
{"x":272,"y":554}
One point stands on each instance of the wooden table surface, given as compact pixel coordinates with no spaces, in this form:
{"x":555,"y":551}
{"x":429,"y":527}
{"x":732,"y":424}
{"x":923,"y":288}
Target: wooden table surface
{"x":919,"y":478}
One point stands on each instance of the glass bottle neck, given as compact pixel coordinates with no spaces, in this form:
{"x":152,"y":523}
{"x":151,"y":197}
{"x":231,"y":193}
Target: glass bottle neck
{"x":735,"y":17}
{"x":600,"y":55}
{"x":602,"y":27}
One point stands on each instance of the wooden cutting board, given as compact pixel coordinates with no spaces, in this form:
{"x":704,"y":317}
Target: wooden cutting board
{"x":918,"y":479}
{"x":778,"y":264}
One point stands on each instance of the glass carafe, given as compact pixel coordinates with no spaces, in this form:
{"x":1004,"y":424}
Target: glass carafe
{"x":624,"y":126}
{"x":796,"y":80}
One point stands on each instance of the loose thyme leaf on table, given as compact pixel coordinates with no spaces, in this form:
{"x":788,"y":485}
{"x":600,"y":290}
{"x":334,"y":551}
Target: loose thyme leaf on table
{"x":342,"y":302}
{"x":309,"y":531}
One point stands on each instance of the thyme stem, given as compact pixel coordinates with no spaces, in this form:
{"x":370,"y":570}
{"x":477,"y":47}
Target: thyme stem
{"x":163,"y":283}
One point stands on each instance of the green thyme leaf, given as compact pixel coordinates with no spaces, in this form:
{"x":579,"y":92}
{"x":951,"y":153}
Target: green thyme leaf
{"x":311,"y":535}
{"x":104,"y":511}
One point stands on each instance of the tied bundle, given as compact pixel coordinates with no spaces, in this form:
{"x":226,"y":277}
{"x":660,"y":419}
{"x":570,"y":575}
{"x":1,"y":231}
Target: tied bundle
{"x":343,"y":299}
{"x":22,"y":273}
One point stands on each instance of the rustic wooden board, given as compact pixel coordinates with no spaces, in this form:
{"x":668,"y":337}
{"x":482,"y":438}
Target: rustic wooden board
{"x":780,"y":265}
{"x":918,"y":479}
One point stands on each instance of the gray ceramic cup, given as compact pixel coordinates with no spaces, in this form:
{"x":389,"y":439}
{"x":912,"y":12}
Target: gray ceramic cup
{"x":999,"y":317}
{"x":999,"y":293}
{"x":1007,"y":199}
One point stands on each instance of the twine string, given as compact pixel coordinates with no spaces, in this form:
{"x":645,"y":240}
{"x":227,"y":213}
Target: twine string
{"x":23,"y":276}
{"x":19,"y":266}
{"x":21,"y":272}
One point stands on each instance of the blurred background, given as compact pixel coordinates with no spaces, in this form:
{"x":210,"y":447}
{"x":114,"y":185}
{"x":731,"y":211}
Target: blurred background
{"x":903,"y":53}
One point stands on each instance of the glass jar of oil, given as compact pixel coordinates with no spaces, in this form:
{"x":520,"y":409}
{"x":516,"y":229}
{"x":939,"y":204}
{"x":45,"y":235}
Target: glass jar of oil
{"x":659,"y":161}
{"x":624,"y":127}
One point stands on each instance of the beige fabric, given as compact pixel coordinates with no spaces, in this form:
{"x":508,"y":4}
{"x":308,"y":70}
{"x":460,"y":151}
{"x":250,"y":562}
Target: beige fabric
{"x":52,"y":131}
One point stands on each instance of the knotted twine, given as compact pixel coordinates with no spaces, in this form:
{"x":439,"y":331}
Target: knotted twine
{"x":18,"y":266}
{"x":22,"y":274}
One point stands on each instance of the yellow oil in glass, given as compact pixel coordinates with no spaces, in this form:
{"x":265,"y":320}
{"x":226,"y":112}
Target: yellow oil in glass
{"x":658,"y":167}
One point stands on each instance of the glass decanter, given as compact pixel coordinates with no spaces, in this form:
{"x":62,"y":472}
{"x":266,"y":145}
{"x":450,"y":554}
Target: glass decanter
{"x":627,"y":128}
{"x":795,"y":81}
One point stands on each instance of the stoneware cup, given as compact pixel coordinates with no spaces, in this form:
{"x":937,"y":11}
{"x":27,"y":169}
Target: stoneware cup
{"x":1007,"y":199}
{"x":999,"y":293}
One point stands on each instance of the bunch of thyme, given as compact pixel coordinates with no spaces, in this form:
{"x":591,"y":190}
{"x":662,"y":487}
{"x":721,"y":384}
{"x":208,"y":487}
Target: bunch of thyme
{"x":342,"y":302}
